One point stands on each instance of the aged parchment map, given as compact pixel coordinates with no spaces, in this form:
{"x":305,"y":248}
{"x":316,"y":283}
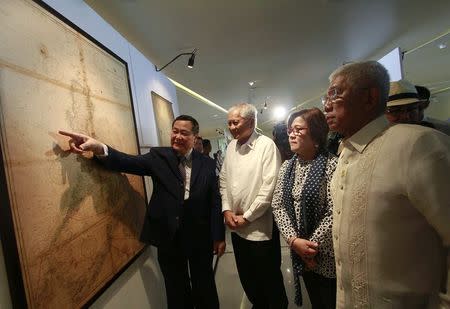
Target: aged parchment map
{"x":76,"y":224}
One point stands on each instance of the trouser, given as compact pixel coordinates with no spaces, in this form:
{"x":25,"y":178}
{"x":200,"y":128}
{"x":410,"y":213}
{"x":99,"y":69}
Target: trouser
{"x":183,"y":291}
{"x":321,"y":290}
{"x":258,"y":264}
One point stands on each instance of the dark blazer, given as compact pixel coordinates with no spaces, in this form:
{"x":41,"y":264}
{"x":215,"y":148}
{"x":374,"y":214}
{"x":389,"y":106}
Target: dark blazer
{"x":198,"y":220}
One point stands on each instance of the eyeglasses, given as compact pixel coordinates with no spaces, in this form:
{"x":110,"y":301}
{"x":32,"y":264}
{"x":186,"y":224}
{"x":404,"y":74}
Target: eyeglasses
{"x":334,"y":93}
{"x":331,"y":96}
{"x":296,"y":130}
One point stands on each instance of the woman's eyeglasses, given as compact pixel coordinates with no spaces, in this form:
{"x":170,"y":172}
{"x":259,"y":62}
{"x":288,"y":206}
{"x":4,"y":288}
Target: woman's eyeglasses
{"x":296,"y":130}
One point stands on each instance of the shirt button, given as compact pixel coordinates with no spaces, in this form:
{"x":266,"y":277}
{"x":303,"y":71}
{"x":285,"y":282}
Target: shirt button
{"x":342,"y":187}
{"x":338,"y":211}
{"x":346,"y":162}
{"x":336,"y":237}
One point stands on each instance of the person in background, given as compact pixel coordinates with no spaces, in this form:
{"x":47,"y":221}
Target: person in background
{"x":219,"y":161}
{"x":424,"y":95}
{"x":282,"y":141}
{"x":334,"y":140}
{"x":198,"y":144}
{"x":183,"y":219}
{"x":302,"y":207}
{"x":206,"y":147}
{"x":247,"y":181}
{"x":403,"y":103}
{"x":391,"y":210}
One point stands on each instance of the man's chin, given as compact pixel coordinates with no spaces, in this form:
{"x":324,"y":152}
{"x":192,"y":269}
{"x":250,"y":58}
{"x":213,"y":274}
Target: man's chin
{"x":176,"y":147}
{"x":332,"y":126}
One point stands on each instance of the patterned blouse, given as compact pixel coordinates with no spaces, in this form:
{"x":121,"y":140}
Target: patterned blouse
{"x":322,"y":235}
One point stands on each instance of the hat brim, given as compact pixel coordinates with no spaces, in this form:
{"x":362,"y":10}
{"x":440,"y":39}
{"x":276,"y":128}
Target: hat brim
{"x":405,"y":101}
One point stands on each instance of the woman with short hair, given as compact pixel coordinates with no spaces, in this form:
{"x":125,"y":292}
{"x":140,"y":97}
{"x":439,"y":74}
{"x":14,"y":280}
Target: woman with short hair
{"x":302,"y":207}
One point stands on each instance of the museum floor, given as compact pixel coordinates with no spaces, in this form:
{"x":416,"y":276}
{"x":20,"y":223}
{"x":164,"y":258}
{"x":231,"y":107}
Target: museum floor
{"x":232,"y":296}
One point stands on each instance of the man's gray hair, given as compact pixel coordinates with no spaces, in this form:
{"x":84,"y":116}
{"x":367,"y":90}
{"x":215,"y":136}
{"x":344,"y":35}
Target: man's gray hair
{"x":246,"y":111}
{"x":365,"y":74}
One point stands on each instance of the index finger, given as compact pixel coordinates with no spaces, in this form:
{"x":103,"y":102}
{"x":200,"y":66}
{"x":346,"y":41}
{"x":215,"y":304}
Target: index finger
{"x":67,"y":133}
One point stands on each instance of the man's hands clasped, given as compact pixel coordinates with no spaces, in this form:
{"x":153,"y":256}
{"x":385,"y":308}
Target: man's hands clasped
{"x":234,"y":221}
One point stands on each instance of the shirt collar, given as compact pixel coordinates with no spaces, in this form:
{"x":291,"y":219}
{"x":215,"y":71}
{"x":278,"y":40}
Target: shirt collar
{"x":366,"y":134}
{"x":187,"y":156}
{"x":250,"y":143}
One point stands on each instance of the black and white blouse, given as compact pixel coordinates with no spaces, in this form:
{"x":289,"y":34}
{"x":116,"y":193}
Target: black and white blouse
{"x":322,"y":234}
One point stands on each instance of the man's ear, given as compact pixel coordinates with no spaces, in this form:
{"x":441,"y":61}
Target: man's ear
{"x":373,"y":99}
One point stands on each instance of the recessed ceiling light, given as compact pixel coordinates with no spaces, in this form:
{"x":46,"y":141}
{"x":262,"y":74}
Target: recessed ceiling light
{"x":442,"y":45}
{"x":251,"y":83}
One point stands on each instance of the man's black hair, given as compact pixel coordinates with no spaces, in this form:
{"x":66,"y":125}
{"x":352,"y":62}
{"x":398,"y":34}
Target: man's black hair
{"x":195,"y":126}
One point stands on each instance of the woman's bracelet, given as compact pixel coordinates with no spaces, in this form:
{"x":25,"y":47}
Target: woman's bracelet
{"x":291,"y":241}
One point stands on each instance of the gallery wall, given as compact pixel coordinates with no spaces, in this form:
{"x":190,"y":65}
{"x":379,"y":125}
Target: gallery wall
{"x":141,"y":285}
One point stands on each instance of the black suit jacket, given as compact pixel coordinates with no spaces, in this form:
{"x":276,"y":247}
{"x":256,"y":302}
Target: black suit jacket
{"x":198,"y":220}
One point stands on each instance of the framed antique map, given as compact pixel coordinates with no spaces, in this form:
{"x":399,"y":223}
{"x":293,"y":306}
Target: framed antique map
{"x":68,"y":226}
{"x":163,"y":112}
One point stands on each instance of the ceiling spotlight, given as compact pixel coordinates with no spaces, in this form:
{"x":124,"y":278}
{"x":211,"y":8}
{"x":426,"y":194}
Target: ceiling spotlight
{"x":265,"y":105}
{"x":251,"y":83}
{"x":190,"y":61}
{"x":442,"y":45}
{"x":279,"y":113}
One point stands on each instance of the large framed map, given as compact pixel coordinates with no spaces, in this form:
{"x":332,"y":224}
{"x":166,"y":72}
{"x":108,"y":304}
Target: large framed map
{"x":68,"y":226}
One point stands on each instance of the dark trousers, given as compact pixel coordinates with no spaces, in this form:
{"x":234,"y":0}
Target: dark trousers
{"x":184,"y":292}
{"x":321,"y":290}
{"x":258,"y":264}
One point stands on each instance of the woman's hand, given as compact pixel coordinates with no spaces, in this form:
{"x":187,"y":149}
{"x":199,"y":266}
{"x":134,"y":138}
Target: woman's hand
{"x":307,"y":250}
{"x":304,"y":248}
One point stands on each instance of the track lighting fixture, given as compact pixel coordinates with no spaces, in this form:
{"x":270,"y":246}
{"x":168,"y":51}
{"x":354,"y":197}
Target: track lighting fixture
{"x":190,"y":61}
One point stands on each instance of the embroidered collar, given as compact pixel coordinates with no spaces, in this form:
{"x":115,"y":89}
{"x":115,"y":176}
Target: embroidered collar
{"x":365,"y":135}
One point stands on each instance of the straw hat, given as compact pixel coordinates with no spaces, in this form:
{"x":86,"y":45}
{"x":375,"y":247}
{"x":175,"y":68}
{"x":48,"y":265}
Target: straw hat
{"x":402,"y":92}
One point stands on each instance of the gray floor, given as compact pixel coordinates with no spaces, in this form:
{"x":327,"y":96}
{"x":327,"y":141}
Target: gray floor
{"x":230,"y":290}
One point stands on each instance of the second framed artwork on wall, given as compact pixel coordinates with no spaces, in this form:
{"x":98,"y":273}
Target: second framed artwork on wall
{"x":163,"y":111}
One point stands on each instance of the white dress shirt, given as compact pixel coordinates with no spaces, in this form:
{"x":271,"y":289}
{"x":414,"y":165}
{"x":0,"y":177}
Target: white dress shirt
{"x":188,"y":169}
{"x":247,"y":181}
{"x":391,"y":217}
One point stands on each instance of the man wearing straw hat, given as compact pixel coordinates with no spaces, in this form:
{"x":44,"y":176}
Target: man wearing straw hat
{"x":403,"y":103}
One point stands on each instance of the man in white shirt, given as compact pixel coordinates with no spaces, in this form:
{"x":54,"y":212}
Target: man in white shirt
{"x":391,"y":215}
{"x":247,"y":181}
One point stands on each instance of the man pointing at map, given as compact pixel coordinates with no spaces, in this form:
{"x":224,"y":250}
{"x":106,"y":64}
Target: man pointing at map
{"x":184,"y":218}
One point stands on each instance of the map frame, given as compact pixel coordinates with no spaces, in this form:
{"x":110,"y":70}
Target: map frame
{"x":8,"y":236}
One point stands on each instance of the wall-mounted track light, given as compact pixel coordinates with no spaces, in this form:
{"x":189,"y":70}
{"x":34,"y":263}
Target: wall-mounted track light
{"x":190,"y":61}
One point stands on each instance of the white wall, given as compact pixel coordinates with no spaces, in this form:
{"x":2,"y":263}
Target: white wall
{"x":141,"y":285}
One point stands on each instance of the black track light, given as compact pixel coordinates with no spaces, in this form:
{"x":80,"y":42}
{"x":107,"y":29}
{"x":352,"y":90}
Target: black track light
{"x":190,"y":61}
